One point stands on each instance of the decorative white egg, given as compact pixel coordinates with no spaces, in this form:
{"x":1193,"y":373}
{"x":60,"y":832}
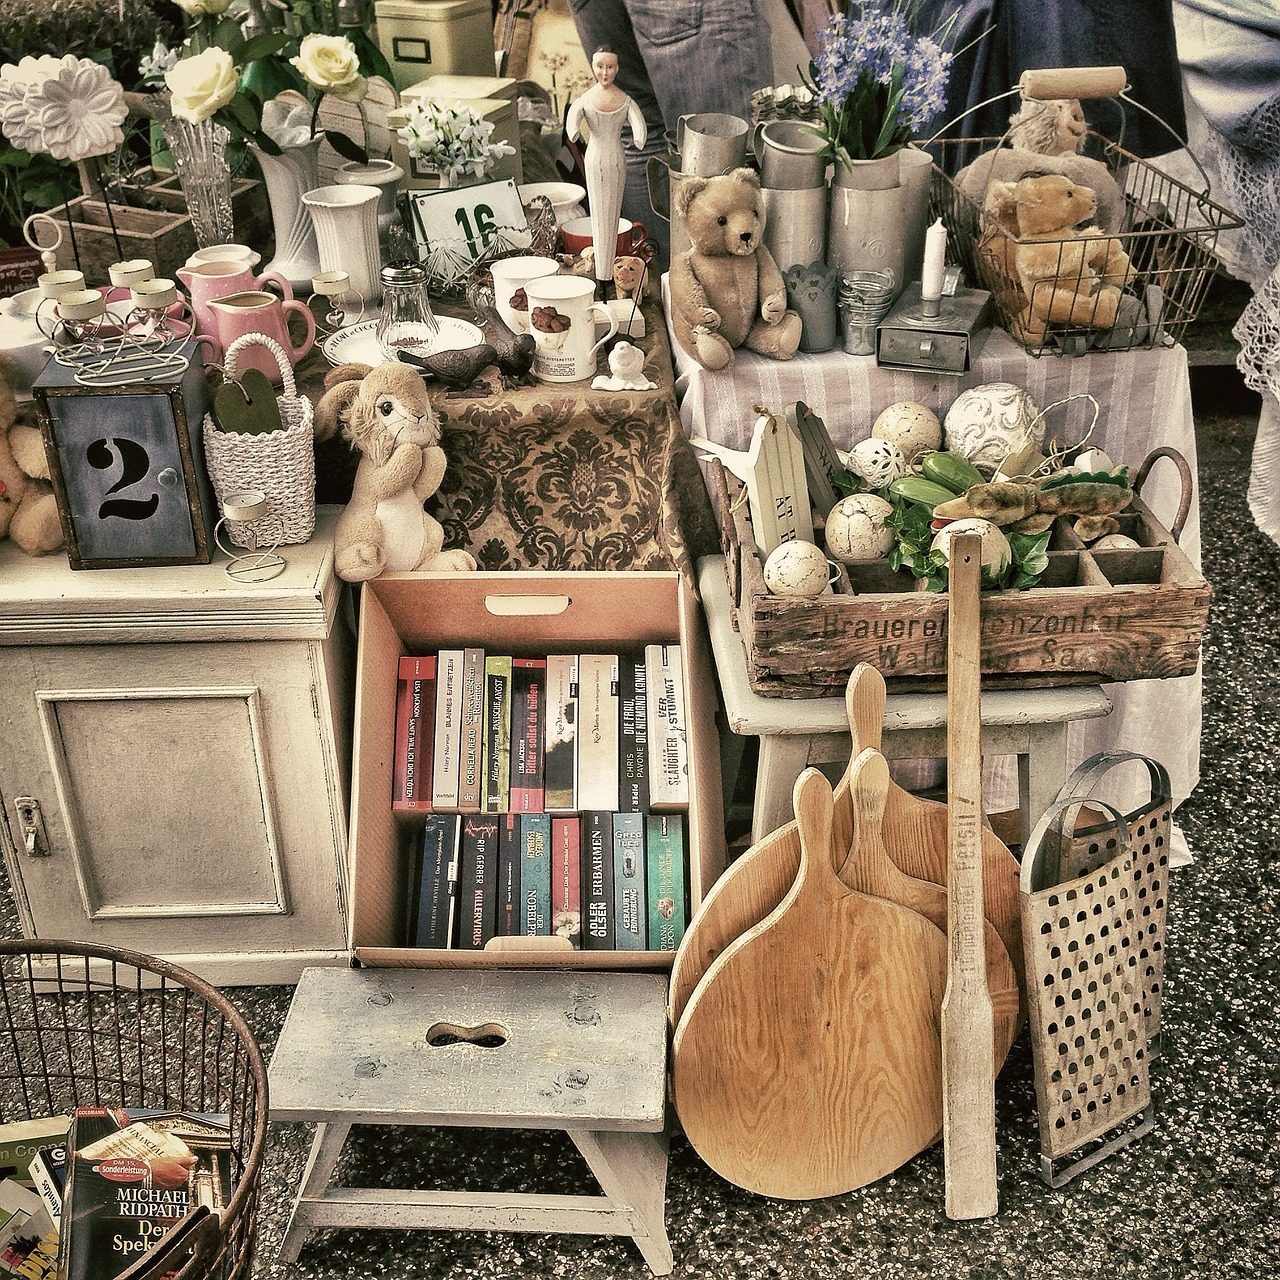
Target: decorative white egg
{"x":856,"y":528}
{"x":796,"y":568}
{"x":878,"y":462}
{"x":1115,"y":542}
{"x":987,"y":423}
{"x":996,"y":552}
{"x":913,"y":427}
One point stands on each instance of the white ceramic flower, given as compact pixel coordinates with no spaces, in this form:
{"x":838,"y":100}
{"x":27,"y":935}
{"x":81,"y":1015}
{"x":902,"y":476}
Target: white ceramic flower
{"x":81,"y":110}
{"x":202,"y":85}
{"x":20,"y":119}
{"x":199,"y":8}
{"x":330,"y":64}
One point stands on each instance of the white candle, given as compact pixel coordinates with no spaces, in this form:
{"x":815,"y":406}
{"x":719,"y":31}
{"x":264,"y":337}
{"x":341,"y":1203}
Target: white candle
{"x":935,"y":258}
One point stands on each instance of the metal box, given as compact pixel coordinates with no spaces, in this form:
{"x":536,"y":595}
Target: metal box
{"x":420,"y":38}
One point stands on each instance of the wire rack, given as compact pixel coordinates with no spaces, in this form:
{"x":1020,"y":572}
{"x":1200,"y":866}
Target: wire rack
{"x":1169,"y":233}
{"x":87,"y":1025}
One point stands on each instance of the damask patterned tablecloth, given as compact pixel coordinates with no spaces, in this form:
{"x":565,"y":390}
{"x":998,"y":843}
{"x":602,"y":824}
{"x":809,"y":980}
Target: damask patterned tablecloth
{"x":557,"y":476}
{"x":1145,"y":401}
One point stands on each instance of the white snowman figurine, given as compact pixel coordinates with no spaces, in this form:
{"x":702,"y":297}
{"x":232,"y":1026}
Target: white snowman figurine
{"x":626,"y":371}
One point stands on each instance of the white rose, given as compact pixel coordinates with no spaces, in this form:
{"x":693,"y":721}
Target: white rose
{"x":202,"y":85}
{"x":198,"y":8}
{"x":330,"y":64}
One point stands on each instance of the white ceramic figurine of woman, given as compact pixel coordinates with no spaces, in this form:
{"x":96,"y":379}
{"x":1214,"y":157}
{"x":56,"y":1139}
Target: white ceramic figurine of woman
{"x":606,"y":109}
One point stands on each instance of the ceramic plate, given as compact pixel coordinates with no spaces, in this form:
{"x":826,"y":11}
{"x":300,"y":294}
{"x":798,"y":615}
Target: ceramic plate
{"x":359,"y":342}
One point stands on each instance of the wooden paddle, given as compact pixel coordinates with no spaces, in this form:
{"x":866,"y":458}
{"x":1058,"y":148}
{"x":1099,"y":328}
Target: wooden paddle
{"x":914,"y":833}
{"x":807,"y":1061}
{"x":969,"y":1108}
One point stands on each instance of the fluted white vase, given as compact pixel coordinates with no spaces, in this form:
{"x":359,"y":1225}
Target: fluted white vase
{"x":288,"y":177}
{"x":346,"y":223}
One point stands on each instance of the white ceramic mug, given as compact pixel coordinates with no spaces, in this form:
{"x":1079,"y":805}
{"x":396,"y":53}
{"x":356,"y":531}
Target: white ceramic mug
{"x":510,"y":276}
{"x":562,"y":311}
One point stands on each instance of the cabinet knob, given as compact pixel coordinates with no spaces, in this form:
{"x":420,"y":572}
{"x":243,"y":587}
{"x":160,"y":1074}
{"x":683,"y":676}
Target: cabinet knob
{"x":31,"y":825}
{"x":168,"y":477}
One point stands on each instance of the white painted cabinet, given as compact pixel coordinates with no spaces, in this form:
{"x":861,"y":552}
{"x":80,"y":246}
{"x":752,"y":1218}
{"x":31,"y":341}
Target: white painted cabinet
{"x":174,"y":759}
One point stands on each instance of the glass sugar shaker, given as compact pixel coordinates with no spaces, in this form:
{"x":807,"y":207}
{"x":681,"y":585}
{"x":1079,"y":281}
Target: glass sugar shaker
{"x":407,"y":319}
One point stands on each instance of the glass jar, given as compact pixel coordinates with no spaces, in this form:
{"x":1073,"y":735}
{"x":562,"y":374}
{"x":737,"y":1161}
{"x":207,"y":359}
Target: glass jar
{"x":407,"y":319}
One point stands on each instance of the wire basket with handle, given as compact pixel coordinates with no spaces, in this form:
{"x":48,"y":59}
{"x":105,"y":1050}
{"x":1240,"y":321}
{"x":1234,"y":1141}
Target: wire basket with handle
{"x":1086,"y":297}
{"x":89,"y":1025}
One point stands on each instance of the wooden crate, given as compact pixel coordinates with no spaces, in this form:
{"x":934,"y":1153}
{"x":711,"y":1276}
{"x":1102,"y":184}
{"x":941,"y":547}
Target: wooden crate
{"x":1099,"y":616}
{"x":165,"y":238}
{"x":403,"y":613}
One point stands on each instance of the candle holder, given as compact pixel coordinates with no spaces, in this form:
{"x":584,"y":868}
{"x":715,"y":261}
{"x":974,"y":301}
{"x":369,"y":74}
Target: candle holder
{"x":251,"y":508}
{"x":343,"y":305}
{"x":934,"y":335}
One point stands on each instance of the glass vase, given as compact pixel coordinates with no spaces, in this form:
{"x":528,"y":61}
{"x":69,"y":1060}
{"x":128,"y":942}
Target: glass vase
{"x":199,"y":157}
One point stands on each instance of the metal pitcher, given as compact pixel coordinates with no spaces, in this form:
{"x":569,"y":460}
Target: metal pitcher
{"x":790,"y":155}
{"x":711,"y":143}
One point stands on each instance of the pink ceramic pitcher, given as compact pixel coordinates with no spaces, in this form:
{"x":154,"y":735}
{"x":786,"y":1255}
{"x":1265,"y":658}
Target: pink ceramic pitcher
{"x":207,"y":281}
{"x":254,"y":311}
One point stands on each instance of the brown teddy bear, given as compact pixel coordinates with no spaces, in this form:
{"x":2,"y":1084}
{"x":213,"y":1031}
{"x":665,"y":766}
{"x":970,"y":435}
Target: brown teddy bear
{"x":726,"y":290}
{"x":1071,"y":274}
{"x":28,"y":509}
{"x":387,"y":414}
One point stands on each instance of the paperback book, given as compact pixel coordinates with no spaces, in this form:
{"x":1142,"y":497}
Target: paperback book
{"x":566,"y":879}
{"x":471,"y":753}
{"x":630,"y":906}
{"x":24,"y":1222}
{"x":415,"y":734}
{"x":535,"y":874}
{"x":478,"y":882}
{"x":560,"y":763}
{"x":510,"y":857}
{"x":597,"y":881}
{"x":496,"y":791}
{"x":528,"y":731}
{"x":598,"y":784}
{"x":633,"y":735}
{"x":132,"y":1175}
{"x":48,"y":1170}
{"x":21,"y":1139}
{"x":668,"y":891}
{"x":668,"y":744}
{"x":448,"y":726}
{"x":436,"y":905}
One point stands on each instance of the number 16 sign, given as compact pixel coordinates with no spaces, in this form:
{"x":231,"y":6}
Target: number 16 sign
{"x":458,"y":226}
{"x":127,"y":465}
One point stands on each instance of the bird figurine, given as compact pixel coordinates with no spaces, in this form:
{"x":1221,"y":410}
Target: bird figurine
{"x":514,"y":351}
{"x":454,"y":369}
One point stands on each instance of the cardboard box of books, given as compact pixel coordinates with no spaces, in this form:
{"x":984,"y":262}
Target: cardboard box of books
{"x":536,"y":777}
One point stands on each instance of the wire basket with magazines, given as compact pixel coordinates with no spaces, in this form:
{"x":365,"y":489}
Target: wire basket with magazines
{"x":83,"y":1025}
{"x":1135,"y":275}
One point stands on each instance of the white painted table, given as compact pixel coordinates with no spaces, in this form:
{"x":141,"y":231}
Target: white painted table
{"x":583,"y":1052}
{"x":1145,"y":398}
{"x":1029,"y":724}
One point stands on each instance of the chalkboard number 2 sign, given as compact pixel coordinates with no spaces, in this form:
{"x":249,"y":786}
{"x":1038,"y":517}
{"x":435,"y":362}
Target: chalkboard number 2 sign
{"x":129,"y":478}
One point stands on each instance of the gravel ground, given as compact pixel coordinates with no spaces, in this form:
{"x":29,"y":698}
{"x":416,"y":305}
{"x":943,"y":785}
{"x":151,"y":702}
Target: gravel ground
{"x":1196,"y":1198}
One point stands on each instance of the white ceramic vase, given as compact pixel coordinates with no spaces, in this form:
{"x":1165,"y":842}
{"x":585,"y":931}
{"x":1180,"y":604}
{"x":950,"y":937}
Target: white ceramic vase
{"x":383,"y":174}
{"x":288,"y":176}
{"x":346,"y":223}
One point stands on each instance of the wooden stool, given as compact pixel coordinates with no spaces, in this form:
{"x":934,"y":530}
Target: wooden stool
{"x":583,"y":1052}
{"x":797,"y":732}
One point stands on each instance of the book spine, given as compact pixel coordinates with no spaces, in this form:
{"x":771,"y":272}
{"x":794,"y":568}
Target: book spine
{"x":478,"y":883}
{"x":448,"y":729}
{"x":535,"y":874}
{"x":528,"y":730}
{"x":48,"y":1171}
{"x":630,"y":905}
{"x":412,"y":863}
{"x":597,"y":881}
{"x":598,"y":732}
{"x":566,"y":879}
{"x":438,"y":883}
{"x":668,"y":744}
{"x":471,"y":754}
{"x":415,"y":721}
{"x":510,"y":905}
{"x":495,"y":795}
{"x":633,"y":746}
{"x":668,"y":907}
{"x":560,"y":763}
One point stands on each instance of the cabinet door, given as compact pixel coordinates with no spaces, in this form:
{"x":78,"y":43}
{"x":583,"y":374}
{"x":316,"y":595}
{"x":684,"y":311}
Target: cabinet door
{"x":190,"y":796}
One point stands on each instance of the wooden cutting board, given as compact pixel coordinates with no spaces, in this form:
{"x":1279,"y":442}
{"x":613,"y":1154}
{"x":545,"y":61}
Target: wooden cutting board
{"x":914,"y":834}
{"x":808,"y":1060}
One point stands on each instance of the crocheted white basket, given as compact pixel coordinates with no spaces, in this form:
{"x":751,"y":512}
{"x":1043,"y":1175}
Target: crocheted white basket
{"x":280,"y":464}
